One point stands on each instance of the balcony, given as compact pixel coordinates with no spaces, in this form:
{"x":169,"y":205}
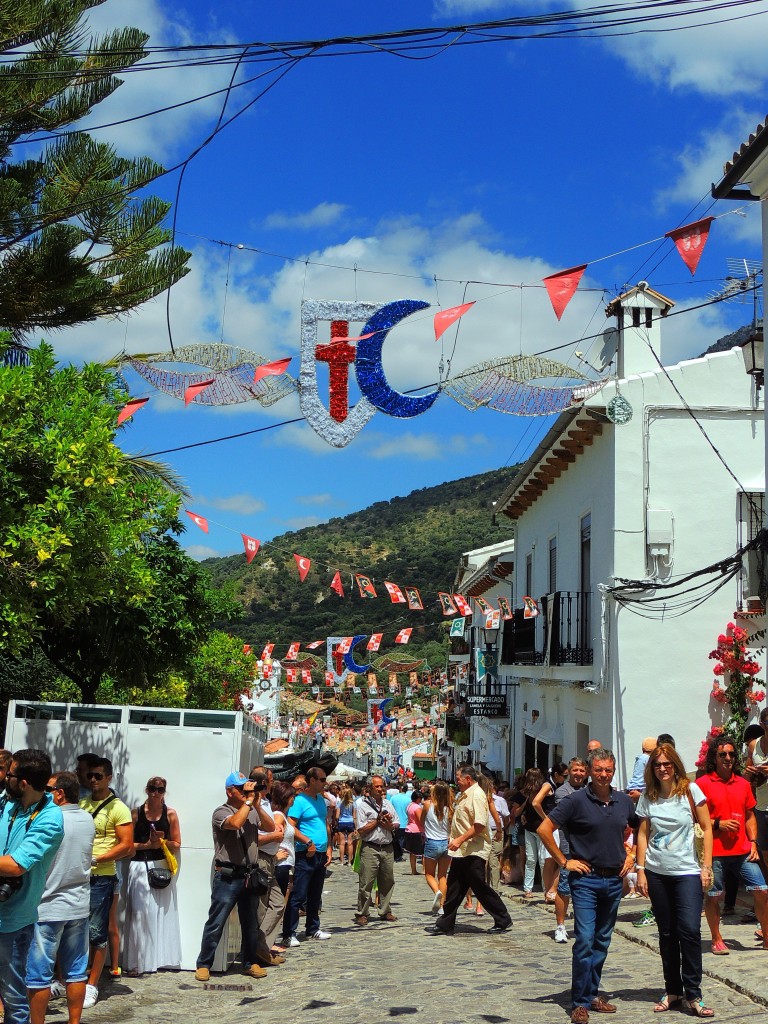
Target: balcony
{"x":561,"y":634}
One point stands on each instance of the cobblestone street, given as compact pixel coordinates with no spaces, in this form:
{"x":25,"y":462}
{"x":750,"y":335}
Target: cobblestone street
{"x":386,"y":971}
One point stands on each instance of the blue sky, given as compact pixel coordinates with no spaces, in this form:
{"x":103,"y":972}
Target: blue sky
{"x":494,"y":163}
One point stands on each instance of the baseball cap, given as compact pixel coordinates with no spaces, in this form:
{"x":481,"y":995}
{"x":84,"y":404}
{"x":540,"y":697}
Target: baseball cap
{"x":236,"y":779}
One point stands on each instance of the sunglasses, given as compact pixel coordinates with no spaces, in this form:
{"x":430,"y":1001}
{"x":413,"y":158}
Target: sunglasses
{"x":727,"y":754}
{"x":663,"y":764}
{"x":155,"y":789}
{"x":12,"y":775}
{"x":51,"y":789}
{"x":95,"y":775}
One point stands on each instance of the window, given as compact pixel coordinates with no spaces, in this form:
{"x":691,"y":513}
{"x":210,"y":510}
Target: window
{"x":552,"y":565}
{"x":751,"y":583}
{"x":529,"y":575}
{"x":153,"y":716}
{"x":585,"y":583}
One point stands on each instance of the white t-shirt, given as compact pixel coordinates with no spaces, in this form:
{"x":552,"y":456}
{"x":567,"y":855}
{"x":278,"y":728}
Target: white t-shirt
{"x":670,"y":840}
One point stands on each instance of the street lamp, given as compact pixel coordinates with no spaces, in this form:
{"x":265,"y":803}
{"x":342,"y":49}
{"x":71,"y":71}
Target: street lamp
{"x":754,"y":356}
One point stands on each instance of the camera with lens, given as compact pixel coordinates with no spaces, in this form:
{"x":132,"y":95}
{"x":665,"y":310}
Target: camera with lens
{"x":9,"y":886}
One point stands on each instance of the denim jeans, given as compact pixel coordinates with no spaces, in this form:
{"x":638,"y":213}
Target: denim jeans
{"x":535,"y":853}
{"x":676,"y":901}
{"x":66,"y":941}
{"x":102,"y":891}
{"x":227,"y":893}
{"x":14,"y":948}
{"x":308,"y":879}
{"x":595,"y":905}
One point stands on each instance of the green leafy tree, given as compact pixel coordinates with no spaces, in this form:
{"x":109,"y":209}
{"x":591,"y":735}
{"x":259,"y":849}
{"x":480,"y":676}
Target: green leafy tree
{"x":221,"y":671}
{"x":75,"y":241}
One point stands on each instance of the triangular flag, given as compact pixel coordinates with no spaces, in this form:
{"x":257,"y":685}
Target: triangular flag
{"x":375,"y":642}
{"x":492,"y":619}
{"x":303,"y":564}
{"x":194,"y":390}
{"x":315,"y":644}
{"x":561,"y":286}
{"x":198,"y":520}
{"x":306,"y":676}
{"x":531,"y":609}
{"x":251,"y":546}
{"x":483,"y":605}
{"x":690,"y":240}
{"x":130,"y":408}
{"x":271,"y":369}
{"x":345,"y":645}
{"x":504,"y":607}
{"x":395,"y":593}
{"x":414,"y":599}
{"x":404,"y":636}
{"x":461,"y":604}
{"x":335,"y":339}
{"x":267,"y":652}
{"x":290,"y":675}
{"x":446,"y":317}
{"x":293,"y":651}
{"x":449,"y":608}
{"x":329,"y":678}
{"x":367,"y":588}
{"x":337,"y":585}
{"x":457,"y":627}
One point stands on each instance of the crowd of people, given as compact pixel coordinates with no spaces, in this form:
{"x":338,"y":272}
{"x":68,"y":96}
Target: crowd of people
{"x":681,"y":844}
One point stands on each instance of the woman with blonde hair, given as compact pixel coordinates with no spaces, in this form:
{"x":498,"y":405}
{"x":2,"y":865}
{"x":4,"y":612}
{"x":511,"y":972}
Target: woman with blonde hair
{"x":345,"y":825}
{"x":436,"y":814}
{"x":668,"y":870}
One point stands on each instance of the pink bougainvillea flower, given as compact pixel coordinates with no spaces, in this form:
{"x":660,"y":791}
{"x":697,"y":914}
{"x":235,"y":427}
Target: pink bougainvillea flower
{"x":718,"y":669}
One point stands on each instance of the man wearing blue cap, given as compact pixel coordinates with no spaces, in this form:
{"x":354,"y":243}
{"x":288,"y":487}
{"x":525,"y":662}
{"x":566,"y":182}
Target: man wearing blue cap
{"x":235,"y":847}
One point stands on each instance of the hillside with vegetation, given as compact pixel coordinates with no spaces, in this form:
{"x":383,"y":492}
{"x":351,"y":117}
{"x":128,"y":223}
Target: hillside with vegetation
{"x":415,"y":540}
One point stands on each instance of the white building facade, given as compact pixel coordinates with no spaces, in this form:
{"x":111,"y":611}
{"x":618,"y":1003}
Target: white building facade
{"x":650,"y":501}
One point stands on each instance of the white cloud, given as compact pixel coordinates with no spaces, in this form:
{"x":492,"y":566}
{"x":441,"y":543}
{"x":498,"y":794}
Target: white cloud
{"x":424,"y":446}
{"x":244,"y":504}
{"x":320,"y":216}
{"x":301,"y":522}
{"x":315,"y":499}
{"x":200,"y":551}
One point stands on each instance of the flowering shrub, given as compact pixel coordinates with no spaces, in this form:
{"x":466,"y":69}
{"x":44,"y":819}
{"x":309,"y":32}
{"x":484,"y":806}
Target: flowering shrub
{"x":735,"y":674}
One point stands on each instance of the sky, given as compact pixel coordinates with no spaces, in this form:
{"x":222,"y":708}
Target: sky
{"x":467,"y":175}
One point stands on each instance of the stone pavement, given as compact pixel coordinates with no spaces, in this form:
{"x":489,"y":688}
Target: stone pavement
{"x":386,"y":971}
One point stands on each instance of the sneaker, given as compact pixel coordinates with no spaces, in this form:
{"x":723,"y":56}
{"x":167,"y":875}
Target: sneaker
{"x":58,"y":990}
{"x":436,"y":901}
{"x":561,"y":935}
{"x":441,"y":912}
{"x":202,"y":974}
{"x":645,"y":920}
{"x":633,"y":895}
{"x":320,"y":935}
{"x":91,"y":996}
{"x":292,"y":941}
{"x":498,"y":928}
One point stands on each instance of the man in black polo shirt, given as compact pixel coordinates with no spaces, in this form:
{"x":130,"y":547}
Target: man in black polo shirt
{"x":596,"y":818}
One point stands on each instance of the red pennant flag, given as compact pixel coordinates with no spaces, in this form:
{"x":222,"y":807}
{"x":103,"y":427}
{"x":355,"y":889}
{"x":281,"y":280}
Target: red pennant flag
{"x":292,"y":652}
{"x":194,"y":390}
{"x":303,"y":564}
{"x":561,"y":287}
{"x":360,"y":337}
{"x":404,"y":636}
{"x":365,"y":586}
{"x":290,"y":675}
{"x":492,"y":619}
{"x":306,"y":676}
{"x":462,"y":605}
{"x":337,"y":585}
{"x":690,"y":241}
{"x":344,"y":646}
{"x":271,"y":369}
{"x":246,"y":648}
{"x":267,"y":652}
{"x":395,"y":593}
{"x":505,"y":609}
{"x":130,"y":408}
{"x":483,"y":605}
{"x":329,"y":678}
{"x":414,"y":599}
{"x":375,"y":642}
{"x":315,"y":644}
{"x":198,"y":520}
{"x":531,"y":609}
{"x":446,"y":317}
{"x":251,"y":546}
{"x":449,"y":608}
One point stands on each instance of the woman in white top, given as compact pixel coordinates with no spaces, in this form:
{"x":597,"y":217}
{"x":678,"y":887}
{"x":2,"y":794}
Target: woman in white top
{"x":281,"y":798}
{"x":436,"y":813}
{"x":669,"y":872}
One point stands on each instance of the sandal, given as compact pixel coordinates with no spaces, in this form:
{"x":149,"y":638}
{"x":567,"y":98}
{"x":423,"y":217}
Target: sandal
{"x":698,"y":1009}
{"x":666,"y":1002}
{"x":719,"y":948}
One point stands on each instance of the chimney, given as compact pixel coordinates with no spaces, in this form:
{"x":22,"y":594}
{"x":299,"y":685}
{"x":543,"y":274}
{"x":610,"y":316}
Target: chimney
{"x":638,"y":314}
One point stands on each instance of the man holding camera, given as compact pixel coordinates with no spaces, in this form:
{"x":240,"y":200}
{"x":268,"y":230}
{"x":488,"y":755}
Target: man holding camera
{"x":31,"y":831}
{"x":376,"y":819}
{"x":236,"y":855}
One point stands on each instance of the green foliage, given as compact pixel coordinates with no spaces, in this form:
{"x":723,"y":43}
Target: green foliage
{"x":220,"y":672}
{"x":76,"y":243}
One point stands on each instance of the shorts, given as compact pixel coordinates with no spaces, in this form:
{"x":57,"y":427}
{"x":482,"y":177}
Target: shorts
{"x":345,"y":827}
{"x":434,"y":849}
{"x":66,"y":941}
{"x":738,"y":868}
{"x":102,"y":891}
{"x":761,"y":817}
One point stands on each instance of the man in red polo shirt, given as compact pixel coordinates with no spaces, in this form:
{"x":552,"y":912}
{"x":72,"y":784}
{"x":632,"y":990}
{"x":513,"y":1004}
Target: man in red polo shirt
{"x":734,"y":851}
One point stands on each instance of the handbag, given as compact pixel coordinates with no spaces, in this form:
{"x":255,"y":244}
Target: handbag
{"x":698,"y":831}
{"x":158,"y":878}
{"x":257,"y":880}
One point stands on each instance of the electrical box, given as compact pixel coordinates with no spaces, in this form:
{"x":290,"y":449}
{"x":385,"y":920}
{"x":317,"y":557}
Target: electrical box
{"x":660,"y":532}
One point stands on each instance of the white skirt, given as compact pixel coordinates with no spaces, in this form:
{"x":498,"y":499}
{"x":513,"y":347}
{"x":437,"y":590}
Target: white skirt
{"x":152,"y":935}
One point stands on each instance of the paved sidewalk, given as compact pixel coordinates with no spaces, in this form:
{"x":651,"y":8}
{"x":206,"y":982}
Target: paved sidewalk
{"x":384,"y":971}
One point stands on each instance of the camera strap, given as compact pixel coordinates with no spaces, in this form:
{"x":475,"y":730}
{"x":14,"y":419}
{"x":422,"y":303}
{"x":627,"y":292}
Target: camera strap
{"x":38,"y":807}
